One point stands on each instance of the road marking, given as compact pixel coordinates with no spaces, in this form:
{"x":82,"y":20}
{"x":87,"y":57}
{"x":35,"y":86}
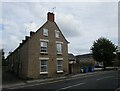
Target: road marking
{"x":104,"y":78}
{"x":70,"y":86}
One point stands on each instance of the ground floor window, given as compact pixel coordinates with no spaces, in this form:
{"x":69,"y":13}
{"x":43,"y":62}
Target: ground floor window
{"x":59,"y":66}
{"x":43,"y":66}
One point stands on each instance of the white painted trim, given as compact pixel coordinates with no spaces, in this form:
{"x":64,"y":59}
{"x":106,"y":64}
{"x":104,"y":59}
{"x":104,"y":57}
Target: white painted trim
{"x":71,"y":62}
{"x":44,"y":52}
{"x":41,"y":58}
{"x":59,"y":58}
{"x":59,"y":42}
{"x":44,"y":40}
{"x":60,"y":71}
{"x":43,"y":72}
{"x":59,"y":52}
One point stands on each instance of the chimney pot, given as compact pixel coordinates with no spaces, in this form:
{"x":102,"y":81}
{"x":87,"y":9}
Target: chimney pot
{"x":50,"y":16}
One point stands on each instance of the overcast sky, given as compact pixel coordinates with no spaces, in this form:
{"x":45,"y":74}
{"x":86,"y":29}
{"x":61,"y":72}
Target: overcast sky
{"x":81,"y":22}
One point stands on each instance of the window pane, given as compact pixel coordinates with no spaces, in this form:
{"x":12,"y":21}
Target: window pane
{"x":45,"y":32}
{"x":57,"y":34}
{"x":59,"y":65}
{"x":59,"y":47}
{"x":43,"y":62}
{"x":44,"y":44}
{"x":43,"y":47}
{"x":59,"y":62}
{"x":60,"y":68}
{"x":43,"y":66}
{"x":43,"y":69}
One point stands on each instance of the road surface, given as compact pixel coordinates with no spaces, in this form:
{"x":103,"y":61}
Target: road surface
{"x":103,"y":81}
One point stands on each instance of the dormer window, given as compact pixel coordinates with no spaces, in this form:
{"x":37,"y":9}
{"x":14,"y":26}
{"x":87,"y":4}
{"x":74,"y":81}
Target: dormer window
{"x":57,"y":34}
{"x":45,"y":32}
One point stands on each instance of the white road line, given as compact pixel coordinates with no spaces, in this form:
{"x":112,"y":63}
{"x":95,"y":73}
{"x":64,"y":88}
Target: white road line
{"x":104,"y":77}
{"x":70,"y":86}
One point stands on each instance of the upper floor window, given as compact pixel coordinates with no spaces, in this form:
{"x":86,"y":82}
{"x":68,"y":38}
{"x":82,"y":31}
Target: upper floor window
{"x":59,"y":48}
{"x":45,"y":32}
{"x":57,"y":34}
{"x":44,"y":45}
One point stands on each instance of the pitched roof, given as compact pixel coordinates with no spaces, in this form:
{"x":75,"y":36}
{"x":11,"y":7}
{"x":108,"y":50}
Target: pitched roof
{"x":61,"y":32}
{"x":71,"y":57}
{"x":84,"y":55}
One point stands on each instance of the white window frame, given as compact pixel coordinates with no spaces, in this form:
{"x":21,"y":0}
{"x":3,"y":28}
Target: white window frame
{"x":46,"y":41}
{"x":45,"y":32}
{"x":57,"y":34}
{"x":59,"y":42}
{"x":59,"y":71}
{"x":46,"y":72}
{"x":58,"y":52}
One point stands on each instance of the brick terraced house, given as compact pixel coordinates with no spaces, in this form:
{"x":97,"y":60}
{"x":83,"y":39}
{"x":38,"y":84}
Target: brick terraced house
{"x":42,"y":54}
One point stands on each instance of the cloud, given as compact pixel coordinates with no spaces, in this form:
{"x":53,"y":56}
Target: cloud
{"x":11,"y":33}
{"x":60,"y":1}
{"x":81,"y":23}
{"x":70,"y":26}
{"x":32,"y":26}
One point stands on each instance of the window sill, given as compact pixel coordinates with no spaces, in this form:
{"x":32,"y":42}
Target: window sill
{"x":57,"y":37}
{"x":44,"y":52}
{"x":43,"y":72}
{"x":59,"y":71}
{"x":45,"y":35}
{"x":59,"y":53}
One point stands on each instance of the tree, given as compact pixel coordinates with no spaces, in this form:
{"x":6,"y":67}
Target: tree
{"x":103,"y":51}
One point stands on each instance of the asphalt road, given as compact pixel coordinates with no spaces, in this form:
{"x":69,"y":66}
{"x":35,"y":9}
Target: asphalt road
{"x":104,"y":81}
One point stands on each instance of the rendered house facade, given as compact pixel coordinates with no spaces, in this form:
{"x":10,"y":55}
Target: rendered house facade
{"x":42,"y":54}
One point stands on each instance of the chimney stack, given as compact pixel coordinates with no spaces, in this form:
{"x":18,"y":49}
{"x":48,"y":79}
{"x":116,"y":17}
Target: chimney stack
{"x":23,"y":41}
{"x":26,"y":37}
{"x":50,"y":16}
{"x":32,"y":33}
